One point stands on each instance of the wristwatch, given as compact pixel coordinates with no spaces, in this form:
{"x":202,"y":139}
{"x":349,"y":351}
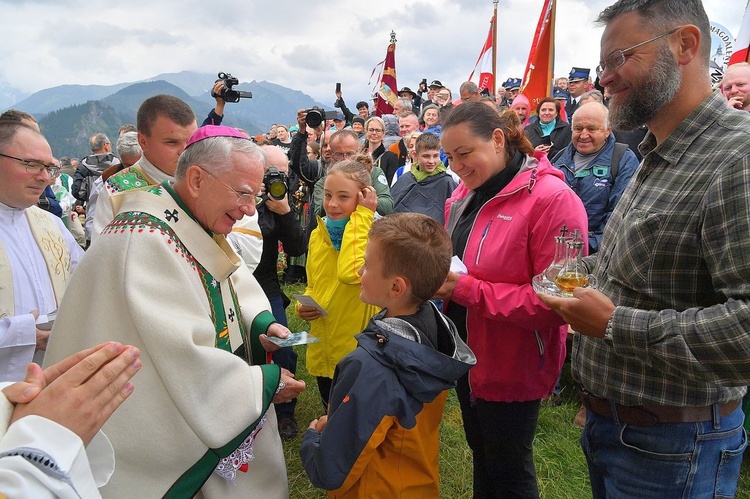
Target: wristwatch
{"x":608,"y":330}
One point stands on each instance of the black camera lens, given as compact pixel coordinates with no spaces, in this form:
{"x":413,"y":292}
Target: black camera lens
{"x":275,"y":182}
{"x":314,"y":117}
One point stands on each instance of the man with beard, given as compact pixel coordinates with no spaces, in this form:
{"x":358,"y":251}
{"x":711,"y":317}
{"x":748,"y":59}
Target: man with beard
{"x":661,"y":347}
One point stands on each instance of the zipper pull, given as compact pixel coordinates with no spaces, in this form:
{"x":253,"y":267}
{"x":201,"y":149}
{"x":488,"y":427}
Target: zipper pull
{"x":532,"y":179}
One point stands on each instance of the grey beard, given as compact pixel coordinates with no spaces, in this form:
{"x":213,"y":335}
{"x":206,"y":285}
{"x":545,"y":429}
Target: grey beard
{"x":650,"y":95}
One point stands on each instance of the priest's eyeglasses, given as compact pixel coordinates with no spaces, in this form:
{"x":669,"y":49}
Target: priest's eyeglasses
{"x":617,"y":58}
{"x":243,"y":198}
{"x":36,"y":167}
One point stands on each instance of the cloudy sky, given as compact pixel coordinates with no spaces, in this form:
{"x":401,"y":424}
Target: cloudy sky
{"x":306,"y":45}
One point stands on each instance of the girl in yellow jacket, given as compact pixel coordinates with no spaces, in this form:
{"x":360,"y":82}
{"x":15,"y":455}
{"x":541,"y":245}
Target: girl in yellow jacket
{"x":335,"y":254}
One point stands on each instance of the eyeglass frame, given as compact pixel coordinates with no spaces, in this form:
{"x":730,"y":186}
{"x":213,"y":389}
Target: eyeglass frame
{"x":375,"y":130}
{"x":52,"y":170}
{"x":607,"y":65}
{"x":254,"y":198}
{"x":342,"y":156}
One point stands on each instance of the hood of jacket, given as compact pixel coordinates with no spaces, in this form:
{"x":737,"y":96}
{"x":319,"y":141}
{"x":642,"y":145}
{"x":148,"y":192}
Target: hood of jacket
{"x":97,"y":163}
{"x":421,"y":369}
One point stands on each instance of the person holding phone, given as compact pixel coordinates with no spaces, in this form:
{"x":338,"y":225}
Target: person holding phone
{"x":549,"y":133}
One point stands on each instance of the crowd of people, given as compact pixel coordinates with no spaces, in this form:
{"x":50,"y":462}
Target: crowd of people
{"x":147,"y":278}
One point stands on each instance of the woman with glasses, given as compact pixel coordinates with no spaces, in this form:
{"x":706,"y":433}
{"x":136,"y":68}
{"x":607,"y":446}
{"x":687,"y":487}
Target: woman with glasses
{"x":375,"y":148}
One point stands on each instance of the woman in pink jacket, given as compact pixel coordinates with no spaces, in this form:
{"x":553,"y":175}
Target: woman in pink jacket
{"x":503,"y":218}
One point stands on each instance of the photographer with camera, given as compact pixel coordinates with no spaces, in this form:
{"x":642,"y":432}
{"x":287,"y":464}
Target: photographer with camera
{"x":278,"y":223}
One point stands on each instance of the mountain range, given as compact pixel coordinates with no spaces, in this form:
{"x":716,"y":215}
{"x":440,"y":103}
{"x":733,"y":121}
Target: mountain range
{"x":69,"y":114}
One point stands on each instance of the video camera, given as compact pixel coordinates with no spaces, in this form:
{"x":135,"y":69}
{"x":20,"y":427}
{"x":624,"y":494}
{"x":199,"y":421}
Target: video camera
{"x":315,"y":116}
{"x":227,"y":93}
{"x":276,"y":183}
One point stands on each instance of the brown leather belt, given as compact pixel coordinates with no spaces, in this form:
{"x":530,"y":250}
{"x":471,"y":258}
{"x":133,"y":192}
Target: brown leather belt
{"x":650,"y":415}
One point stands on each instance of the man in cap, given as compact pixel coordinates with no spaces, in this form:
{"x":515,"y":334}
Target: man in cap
{"x":578,"y":81}
{"x":432,"y":89}
{"x":201,"y":421}
{"x":514,"y":87}
{"x":416,"y":101}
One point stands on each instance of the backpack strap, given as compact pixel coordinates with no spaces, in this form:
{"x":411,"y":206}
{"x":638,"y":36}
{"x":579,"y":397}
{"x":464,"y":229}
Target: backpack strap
{"x":617,"y":155}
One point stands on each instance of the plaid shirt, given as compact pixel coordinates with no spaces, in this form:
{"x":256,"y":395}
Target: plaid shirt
{"x":675,"y":260}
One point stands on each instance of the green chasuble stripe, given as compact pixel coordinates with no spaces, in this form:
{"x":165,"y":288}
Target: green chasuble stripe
{"x":190,"y":483}
{"x":259,"y":326}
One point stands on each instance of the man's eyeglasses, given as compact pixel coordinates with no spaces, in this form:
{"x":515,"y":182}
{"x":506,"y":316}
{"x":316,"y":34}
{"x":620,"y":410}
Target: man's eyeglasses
{"x":243,"y":198}
{"x":341,"y":156}
{"x":617,"y":58}
{"x":36,"y":167}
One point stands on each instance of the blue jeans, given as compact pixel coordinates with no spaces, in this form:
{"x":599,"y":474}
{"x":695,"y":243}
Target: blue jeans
{"x":666,"y":460}
{"x":285,"y":357}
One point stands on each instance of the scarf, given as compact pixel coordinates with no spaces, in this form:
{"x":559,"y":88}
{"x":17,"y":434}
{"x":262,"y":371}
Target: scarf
{"x":336,"y":231}
{"x":420,"y":175}
{"x":548,"y":127}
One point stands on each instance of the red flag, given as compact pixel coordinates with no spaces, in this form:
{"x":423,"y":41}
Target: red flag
{"x":742,"y":52}
{"x":388,"y":90}
{"x":484,"y":62}
{"x":537,"y":79}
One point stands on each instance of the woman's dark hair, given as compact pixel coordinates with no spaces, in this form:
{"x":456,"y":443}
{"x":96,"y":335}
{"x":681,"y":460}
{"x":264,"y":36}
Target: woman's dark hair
{"x":483,"y":121}
{"x":546,"y":100}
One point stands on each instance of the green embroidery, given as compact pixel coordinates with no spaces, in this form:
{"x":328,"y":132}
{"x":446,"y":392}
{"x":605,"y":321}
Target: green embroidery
{"x":127,"y":179}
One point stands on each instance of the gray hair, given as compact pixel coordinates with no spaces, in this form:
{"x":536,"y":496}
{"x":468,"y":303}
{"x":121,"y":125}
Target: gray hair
{"x":98,"y":141}
{"x":592,"y":94}
{"x":214,"y":154}
{"x":469,"y":86}
{"x":406,"y":104}
{"x":127,"y":144}
{"x":662,"y":15}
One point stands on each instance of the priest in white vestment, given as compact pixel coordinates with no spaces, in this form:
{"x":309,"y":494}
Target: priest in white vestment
{"x":162,"y":277}
{"x":37,"y":252}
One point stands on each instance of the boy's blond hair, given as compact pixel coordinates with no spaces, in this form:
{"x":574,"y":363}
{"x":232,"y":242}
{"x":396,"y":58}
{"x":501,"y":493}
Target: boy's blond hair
{"x":415,"y":247}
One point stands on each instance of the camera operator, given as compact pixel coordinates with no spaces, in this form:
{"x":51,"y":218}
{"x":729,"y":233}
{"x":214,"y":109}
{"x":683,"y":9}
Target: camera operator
{"x":216,"y":115}
{"x":309,"y":170}
{"x":278,"y":222}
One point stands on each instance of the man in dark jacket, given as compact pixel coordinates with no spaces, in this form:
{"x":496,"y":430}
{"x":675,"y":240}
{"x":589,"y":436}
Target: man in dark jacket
{"x":279,"y":223}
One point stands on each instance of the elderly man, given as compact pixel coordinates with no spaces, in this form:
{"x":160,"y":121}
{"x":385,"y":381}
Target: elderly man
{"x":37,"y":253}
{"x":164,"y":125}
{"x":201,"y":421}
{"x":736,"y":86}
{"x":663,"y":342}
{"x":407,"y":124}
{"x":596,"y":167}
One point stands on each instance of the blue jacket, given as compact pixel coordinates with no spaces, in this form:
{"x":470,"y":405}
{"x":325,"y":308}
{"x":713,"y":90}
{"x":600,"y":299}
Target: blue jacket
{"x":426,"y":197}
{"x":595,"y":187}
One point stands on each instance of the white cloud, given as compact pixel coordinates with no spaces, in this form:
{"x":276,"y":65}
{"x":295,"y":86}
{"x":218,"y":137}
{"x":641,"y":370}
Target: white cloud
{"x":304,"y":45}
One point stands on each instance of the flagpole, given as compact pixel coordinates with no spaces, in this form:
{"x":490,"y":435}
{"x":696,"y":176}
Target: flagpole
{"x":553,"y":21}
{"x":494,"y":48}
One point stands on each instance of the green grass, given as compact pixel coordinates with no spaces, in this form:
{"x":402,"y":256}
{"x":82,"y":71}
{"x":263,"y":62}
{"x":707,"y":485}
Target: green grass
{"x":560,"y":465}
